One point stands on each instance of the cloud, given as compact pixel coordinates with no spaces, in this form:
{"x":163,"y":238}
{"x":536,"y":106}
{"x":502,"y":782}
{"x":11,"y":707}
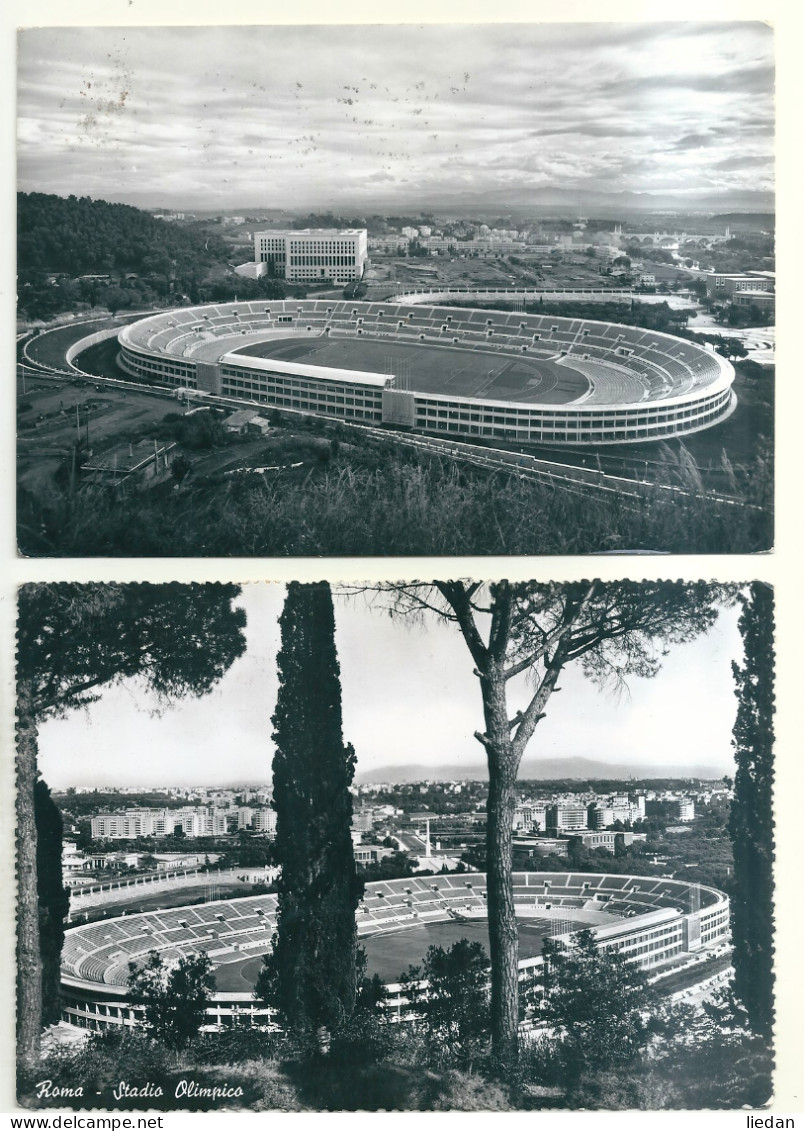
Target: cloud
{"x":695,"y":141}
{"x":316,"y":114}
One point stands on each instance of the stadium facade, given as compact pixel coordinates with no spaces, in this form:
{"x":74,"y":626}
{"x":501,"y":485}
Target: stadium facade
{"x":309,"y":255}
{"x":662,"y":925}
{"x":630,"y":385}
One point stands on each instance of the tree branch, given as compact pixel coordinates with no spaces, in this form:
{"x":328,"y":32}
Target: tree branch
{"x":458,"y":596}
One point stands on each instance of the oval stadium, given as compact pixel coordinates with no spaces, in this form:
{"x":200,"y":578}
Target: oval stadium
{"x":668,"y":927}
{"x":531,"y":378}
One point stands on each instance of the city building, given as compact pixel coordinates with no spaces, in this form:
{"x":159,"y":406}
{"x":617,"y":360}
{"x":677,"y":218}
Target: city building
{"x":686,"y":809}
{"x":371,"y":853}
{"x":565,"y":817}
{"x":723,"y":284}
{"x":312,"y":254}
{"x":74,"y":864}
{"x":131,"y":823}
{"x":527,"y":848}
{"x":388,"y":245}
{"x":607,"y":840}
{"x":264,"y":821}
{"x":763,"y":300}
{"x":363,"y":820}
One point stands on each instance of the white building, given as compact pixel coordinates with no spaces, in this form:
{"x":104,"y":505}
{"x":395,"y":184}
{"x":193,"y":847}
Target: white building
{"x":566,"y":816}
{"x":388,"y":245}
{"x":686,"y":809}
{"x":73,"y":863}
{"x":193,"y":820}
{"x":264,"y":821}
{"x":312,"y":254}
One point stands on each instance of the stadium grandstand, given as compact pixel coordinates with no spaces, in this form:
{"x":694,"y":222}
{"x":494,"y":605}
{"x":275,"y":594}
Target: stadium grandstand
{"x":661,"y":924}
{"x":457,"y":372}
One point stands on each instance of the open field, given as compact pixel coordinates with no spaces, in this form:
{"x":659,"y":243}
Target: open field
{"x":438,"y":369}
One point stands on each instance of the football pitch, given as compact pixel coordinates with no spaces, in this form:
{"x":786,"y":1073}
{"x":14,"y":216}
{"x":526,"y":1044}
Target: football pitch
{"x":484,"y":375}
{"x":391,"y":953}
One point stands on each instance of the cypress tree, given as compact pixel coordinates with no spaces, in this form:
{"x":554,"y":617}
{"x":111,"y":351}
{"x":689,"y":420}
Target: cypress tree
{"x":54,"y":899}
{"x":311,"y":975}
{"x":751,"y":818}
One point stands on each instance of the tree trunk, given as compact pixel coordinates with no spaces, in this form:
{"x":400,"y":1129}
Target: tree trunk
{"x":29,"y":967}
{"x":503,"y":936}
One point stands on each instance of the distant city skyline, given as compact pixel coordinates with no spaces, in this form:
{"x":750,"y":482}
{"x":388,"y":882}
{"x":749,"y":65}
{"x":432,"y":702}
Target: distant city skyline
{"x":409,"y":697}
{"x":347,"y":116}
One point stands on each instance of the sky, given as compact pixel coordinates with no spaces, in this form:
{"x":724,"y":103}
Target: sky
{"x":409,"y":696}
{"x":312,"y":116}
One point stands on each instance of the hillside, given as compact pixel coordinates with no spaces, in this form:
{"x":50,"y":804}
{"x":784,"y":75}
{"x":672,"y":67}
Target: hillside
{"x":79,"y":235}
{"x":77,"y":254}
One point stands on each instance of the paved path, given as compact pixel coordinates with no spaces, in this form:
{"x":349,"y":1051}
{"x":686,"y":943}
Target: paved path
{"x":760,"y":341}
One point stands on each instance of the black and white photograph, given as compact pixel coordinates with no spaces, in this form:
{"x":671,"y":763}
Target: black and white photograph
{"x":555,"y":241}
{"x":422,"y":846}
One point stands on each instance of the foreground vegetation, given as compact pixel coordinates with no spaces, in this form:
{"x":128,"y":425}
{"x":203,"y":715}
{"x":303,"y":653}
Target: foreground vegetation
{"x":379,"y":500}
{"x":697,"y":1062}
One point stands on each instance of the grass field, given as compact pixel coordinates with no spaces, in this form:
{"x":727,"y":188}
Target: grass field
{"x":390,"y":954}
{"x":437,"y":369}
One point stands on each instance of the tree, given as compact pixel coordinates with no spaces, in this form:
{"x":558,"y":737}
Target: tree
{"x":599,"y":1005}
{"x":751,"y":818}
{"x":453,"y":1002}
{"x":311,"y":975}
{"x":732,"y":348}
{"x":180,"y":468}
{"x":116,"y":299}
{"x":175,"y":997}
{"x":73,"y":640}
{"x":54,"y":899}
{"x":613,"y":630}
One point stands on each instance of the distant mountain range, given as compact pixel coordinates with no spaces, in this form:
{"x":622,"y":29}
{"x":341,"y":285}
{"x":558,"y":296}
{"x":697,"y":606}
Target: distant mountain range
{"x":591,"y":203}
{"x":539,"y":769}
{"x":505,"y":201}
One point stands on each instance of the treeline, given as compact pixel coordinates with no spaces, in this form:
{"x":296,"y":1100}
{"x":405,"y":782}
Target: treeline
{"x":648,"y":316}
{"x":608,"y":785}
{"x":90,"y":804}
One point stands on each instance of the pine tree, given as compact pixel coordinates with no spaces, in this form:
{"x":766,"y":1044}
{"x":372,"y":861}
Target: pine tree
{"x":175,"y":996}
{"x":751,"y":819}
{"x":72,"y":641}
{"x":612,"y":631}
{"x":311,"y":975}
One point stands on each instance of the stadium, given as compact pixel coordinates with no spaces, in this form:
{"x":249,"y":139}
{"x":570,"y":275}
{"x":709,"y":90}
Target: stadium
{"x":664,"y":925}
{"x":443,"y":370}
